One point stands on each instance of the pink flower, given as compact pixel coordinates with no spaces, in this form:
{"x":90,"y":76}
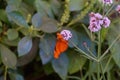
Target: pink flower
{"x":106,"y":22}
{"x":108,"y":2}
{"x":118,"y":8}
{"x":94,"y":27}
{"x":66,"y":34}
{"x":96,"y":17}
{"x":96,"y":21}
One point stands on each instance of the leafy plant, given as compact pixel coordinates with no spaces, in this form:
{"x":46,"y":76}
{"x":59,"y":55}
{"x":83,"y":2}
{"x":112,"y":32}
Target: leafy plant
{"x":28,"y":40}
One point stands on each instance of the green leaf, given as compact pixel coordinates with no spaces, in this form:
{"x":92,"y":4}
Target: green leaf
{"x":26,"y":10}
{"x":36,"y":20}
{"x":76,"y":5}
{"x":47,"y":45}
{"x":24,"y":45}
{"x":55,"y":6}
{"x":74,"y":38}
{"x":3,"y":16}
{"x":9,"y":42}
{"x":76,"y":62}
{"x":113,"y":32}
{"x":94,"y":65}
{"x":12,"y":34}
{"x":60,"y":65}
{"x":40,"y":7}
{"x":29,"y":2}
{"x":16,"y":76}
{"x":43,"y":8}
{"x":49,"y":25}
{"x":18,"y":18}
{"x":25,"y":59}
{"x":15,"y":3}
{"x":8,"y":57}
{"x":10,"y":8}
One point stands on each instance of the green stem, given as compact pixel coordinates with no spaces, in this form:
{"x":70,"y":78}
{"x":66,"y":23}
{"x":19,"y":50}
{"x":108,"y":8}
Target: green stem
{"x":109,"y":48}
{"x":5,"y":73}
{"x":73,"y":77}
{"x":101,"y":67}
{"x":99,"y":44}
{"x":86,"y":75}
{"x":87,"y":31}
{"x":90,"y":52}
{"x":19,"y":28}
{"x":98,"y":71}
{"x":109,"y":10}
{"x":99,"y":53}
{"x":106,"y":66}
{"x":84,"y":52}
{"x":93,"y":77}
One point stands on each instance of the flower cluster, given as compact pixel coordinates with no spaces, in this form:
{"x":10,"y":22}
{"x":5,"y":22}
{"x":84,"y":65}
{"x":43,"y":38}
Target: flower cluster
{"x":66,"y":34}
{"x":118,"y":8}
{"x":96,"y":21}
{"x":108,"y":2}
{"x":62,"y":42}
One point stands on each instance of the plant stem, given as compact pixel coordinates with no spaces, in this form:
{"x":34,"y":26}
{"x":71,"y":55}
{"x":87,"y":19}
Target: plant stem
{"x":84,"y":52}
{"x":98,"y":70}
{"x":109,"y":47}
{"x":19,"y":28}
{"x":102,"y":72}
{"x":109,"y":10}
{"x":74,"y":77}
{"x":99,"y":44}
{"x":99,"y":53}
{"x":90,"y":52}
{"x":106,"y":66}
{"x":87,"y":31}
{"x":5,"y":73}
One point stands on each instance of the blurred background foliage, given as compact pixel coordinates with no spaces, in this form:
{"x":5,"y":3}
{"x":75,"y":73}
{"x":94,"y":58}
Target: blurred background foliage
{"x":28,"y":36}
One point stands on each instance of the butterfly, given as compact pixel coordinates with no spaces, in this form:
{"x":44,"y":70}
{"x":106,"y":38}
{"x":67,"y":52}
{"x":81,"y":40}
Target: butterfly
{"x":62,"y":43}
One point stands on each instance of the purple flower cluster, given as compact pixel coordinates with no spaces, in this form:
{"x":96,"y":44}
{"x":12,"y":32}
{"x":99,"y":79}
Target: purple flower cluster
{"x":108,"y":2}
{"x":118,"y":8}
{"x":66,"y":34}
{"x":96,"y":21}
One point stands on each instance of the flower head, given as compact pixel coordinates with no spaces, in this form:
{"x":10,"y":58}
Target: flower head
{"x":108,"y":2}
{"x":118,"y":8}
{"x":96,"y":21}
{"x":94,"y":27}
{"x":96,"y":17}
{"x":62,"y":42}
{"x":106,"y":22}
{"x":66,"y":34}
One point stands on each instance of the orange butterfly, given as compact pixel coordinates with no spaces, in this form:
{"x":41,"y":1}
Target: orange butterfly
{"x":61,"y":46}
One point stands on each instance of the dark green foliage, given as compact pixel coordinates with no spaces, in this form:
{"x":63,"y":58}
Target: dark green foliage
{"x":24,"y":45}
{"x":8,"y":57}
{"x":28,"y":38}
